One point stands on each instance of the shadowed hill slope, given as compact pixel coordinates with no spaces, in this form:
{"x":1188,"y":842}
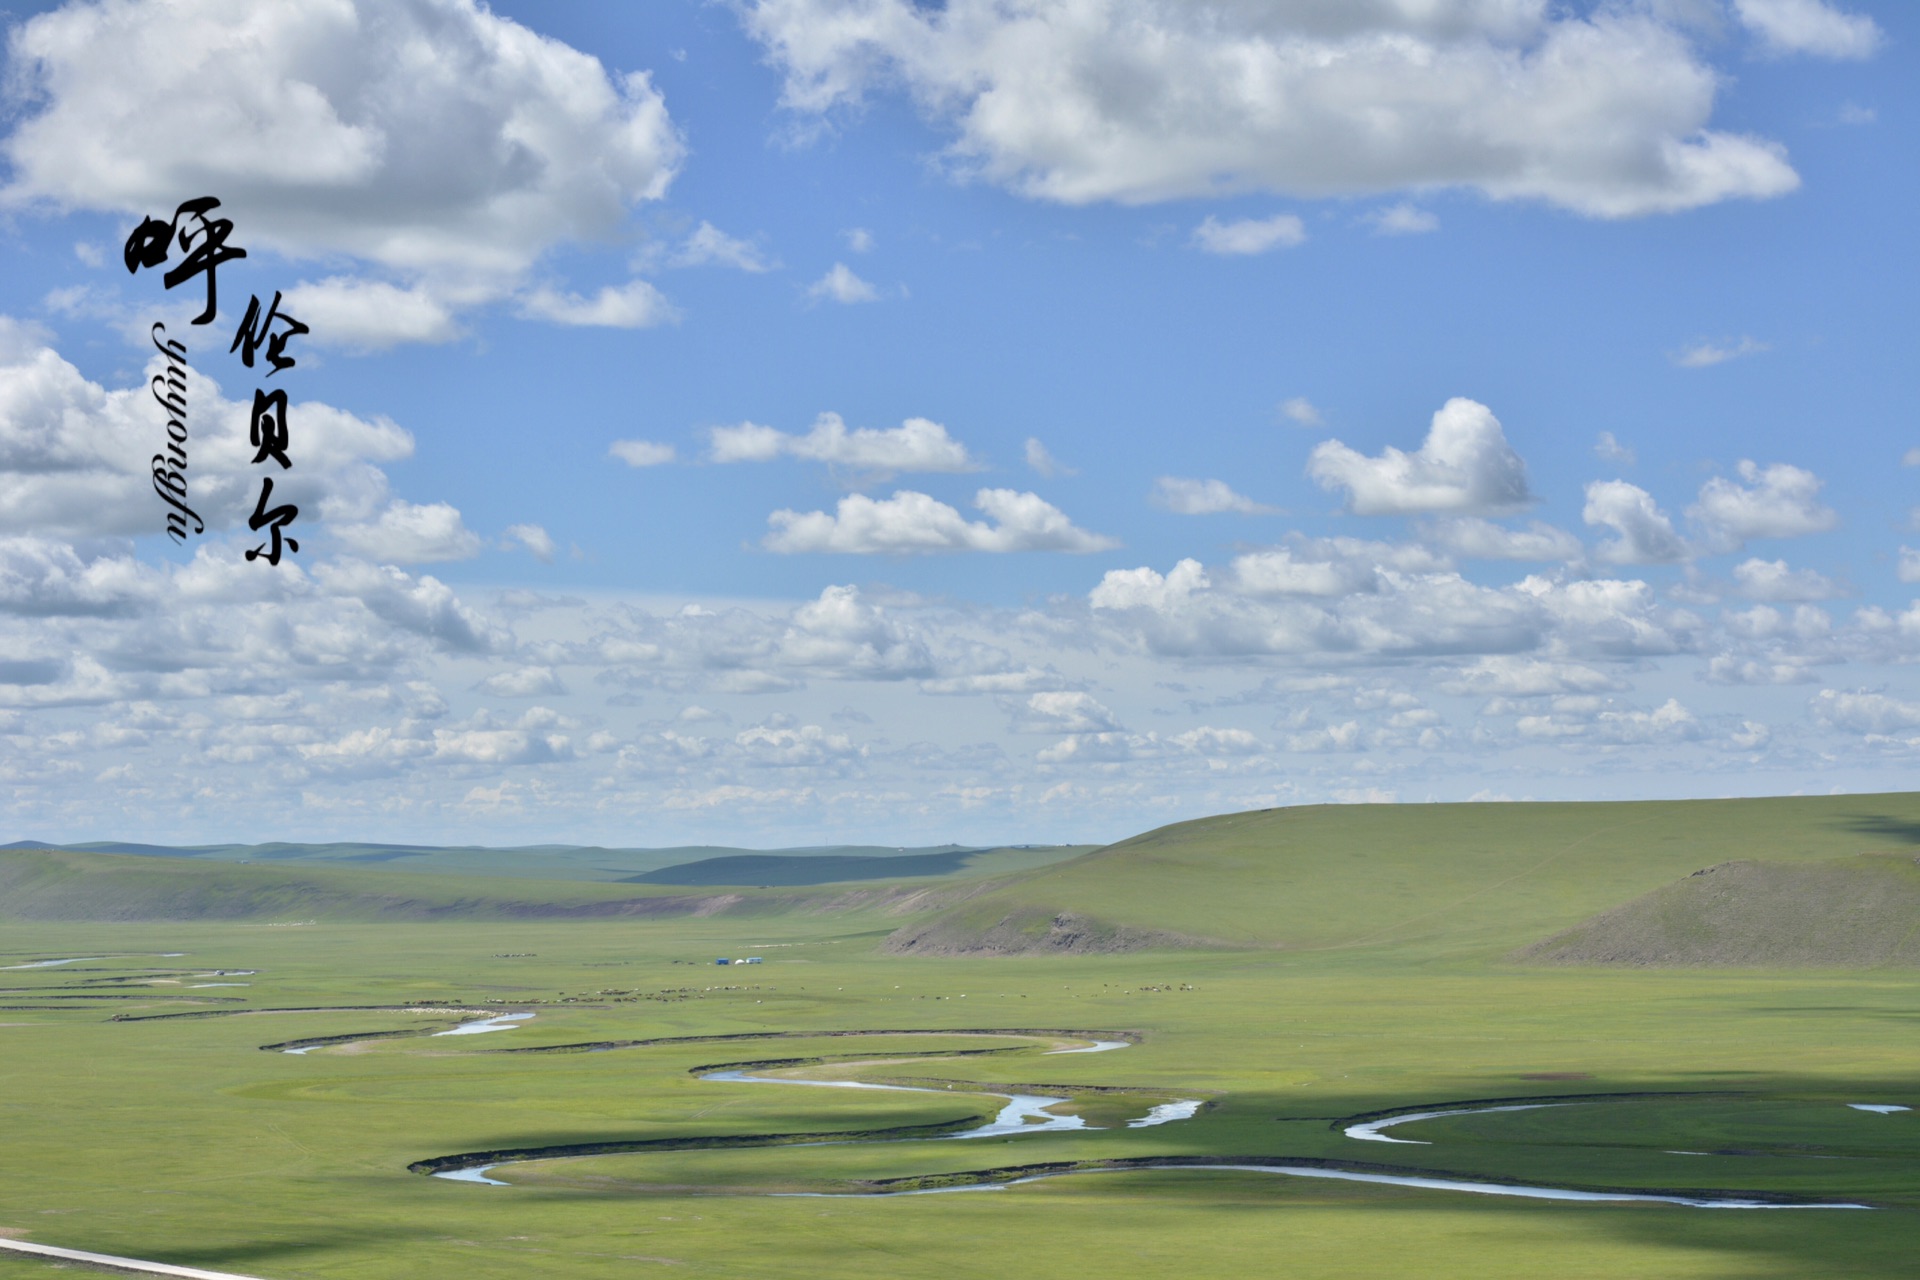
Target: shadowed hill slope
{"x":1456,"y":877}
{"x":61,"y":885}
{"x":591,"y":862}
{"x":1852,"y":913}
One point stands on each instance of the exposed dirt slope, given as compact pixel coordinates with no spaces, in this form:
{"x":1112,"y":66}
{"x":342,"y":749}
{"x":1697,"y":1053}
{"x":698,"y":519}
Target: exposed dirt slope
{"x":1850,"y":913}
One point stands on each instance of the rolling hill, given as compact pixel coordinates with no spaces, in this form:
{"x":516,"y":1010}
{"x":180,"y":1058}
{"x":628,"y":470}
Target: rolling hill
{"x":1460,"y":877}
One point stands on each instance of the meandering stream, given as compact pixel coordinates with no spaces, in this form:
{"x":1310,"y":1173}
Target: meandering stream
{"x":1031,"y":1114}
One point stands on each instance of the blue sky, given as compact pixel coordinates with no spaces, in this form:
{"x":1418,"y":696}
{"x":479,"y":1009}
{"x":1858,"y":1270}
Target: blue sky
{"x":1234,"y":405}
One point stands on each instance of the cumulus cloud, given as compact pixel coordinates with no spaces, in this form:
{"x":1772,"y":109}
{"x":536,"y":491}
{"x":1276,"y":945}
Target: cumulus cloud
{"x":424,"y":606}
{"x":1472,"y":538}
{"x":1511,"y":676}
{"x":1043,"y":462}
{"x":1210,"y":741}
{"x":1704,"y":355}
{"x":708,"y":245}
{"x":1330,"y":567}
{"x":1862,"y":711}
{"x":634,"y":305}
{"x":1608,"y":449}
{"x":1464,"y":466}
{"x":369,"y":315}
{"x":1586,"y":720}
{"x":1772,"y":580}
{"x":1249,"y":236}
{"x":523,"y":682}
{"x":1644,"y":533}
{"x":535,"y":539}
{"x":74,"y":455}
{"x":840,"y":284}
{"x":410,"y":533}
{"x":1284,"y":602}
{"x":1778,"y":501}
{"x":1605,"y":112}
{"x":1908,"y":569}
{"x":1300,"y":411}
{"x":432,"y":139}
{"x":918,"y":444}
{"x":42,"y":577}
{"x":1202,"y":498}
{"x":911,"y":523}
{"x":1064,"y":712}
{"x":1809,"y":26}
{"x":641,"y":453}
{"x":1403,"y":220}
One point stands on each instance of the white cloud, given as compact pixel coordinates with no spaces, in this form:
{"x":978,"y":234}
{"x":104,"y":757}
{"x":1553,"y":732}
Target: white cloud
{"x":1202,"y":498}
{"x":369,"y":315}
{"x":74,"y":456}
{"x":641,"y":453}
{"x":1773,"y":580}
{"x":1604,"y":112}
{"x":1646,"y":535}
{"x":1704,"y":355}
{"x":1854,"y":113}
{"x":430,"y":137}
{"x":859,"y":239}
{"x":424,"y":606}
{"x":1608,"y":449}
{"x":1809,"y":26}
{"x":918,"y":444}
{"x":1301,"y":412}
{"x":708,"y":245}
{"x":1669,"y":722}
{"x":634,"y":305}
{"x":534,"y":538}
{"x":1864,"y":712}
{"x":1908,"y":570}
{"x":807,"y":746}
{"x":1064,"y":712}
{"x":911,"y":523}
{"x":1778,"y":501}
{"x":523,"y":682}
{"x":409,"y":533}
{"x":1043,"y":462}
{"x":1403,"y":220}
{"x":1250,"y":236}
{"x":1210,"y":741}
{"x":1911,"y":458}
{"x":41,"y":577}
{"x":840,"y":284}
{"x":1346,"y":736}
{"x":1507,"y":675}
{"x":1472,"y":538}
{"x":1609,"y":617}
{"x":1465,"y":465}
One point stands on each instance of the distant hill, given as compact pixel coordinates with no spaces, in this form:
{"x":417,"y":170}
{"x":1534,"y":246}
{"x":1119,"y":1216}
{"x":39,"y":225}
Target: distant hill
{"x":766,"y":869}
{"x":566,"y":861}
{"x":1853,"y":913}
{"x":42,"y":884}
{"x":1451,"y":878}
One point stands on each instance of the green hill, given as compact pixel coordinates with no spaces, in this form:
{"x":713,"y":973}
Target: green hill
{"x":1459,"y":877}
{"x":1852,"y":913}
{"x":581,"y":862}
{"x":62,"y":885}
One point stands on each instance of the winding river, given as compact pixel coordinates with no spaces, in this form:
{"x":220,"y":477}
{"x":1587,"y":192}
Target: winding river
{"x":1031,"y":1114}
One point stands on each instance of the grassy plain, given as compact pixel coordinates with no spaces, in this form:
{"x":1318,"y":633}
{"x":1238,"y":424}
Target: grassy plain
{"x":178,"y":1139}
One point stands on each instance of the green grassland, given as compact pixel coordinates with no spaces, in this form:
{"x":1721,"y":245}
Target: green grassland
{"x":591,"y":862}
{"x":1360,"y":965}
